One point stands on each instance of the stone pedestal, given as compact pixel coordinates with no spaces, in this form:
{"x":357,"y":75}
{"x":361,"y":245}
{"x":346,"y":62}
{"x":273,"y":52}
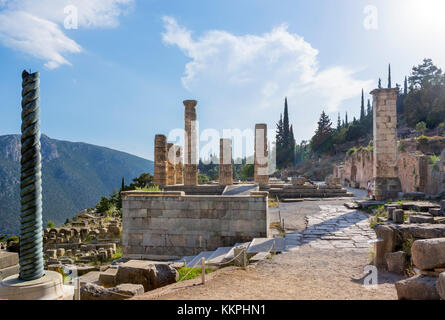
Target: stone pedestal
{"x":386,"y":183}
{"x":190,"y":148}
{"x":49,"y":287}
{"x":171,"y":162}
{"x":225,"y":162}
{"x":161,"y":164}
{"x":386,"y":188}
{"x":261,"y":168}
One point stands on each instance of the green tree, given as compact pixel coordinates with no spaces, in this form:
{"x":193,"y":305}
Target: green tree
{"x":421,"y":127}
{"x":50,"y":224}
{"x":426,"y":98}
{"x":320,"y":142}
{"x":247,"y":172}
{"x":362,"y":107}
{"x":285,"y":141}
{"x":203,"y":178}
{"x":426,"y":75}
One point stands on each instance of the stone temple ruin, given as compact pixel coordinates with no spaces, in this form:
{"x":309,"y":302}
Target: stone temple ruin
{"x":187,"y":218}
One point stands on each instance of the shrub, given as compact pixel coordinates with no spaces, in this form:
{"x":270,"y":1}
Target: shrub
{"x":423,"y":139}
{"x":203,"y":178}
{"x":50,"y":224}
{"x":190,"y":273}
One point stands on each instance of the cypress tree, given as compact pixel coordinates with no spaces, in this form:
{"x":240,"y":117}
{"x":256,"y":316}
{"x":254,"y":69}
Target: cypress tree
{"x":380,"y":83}
{"x":389,"y":77}
{"x":346,"y":119}
{"x":286,"y":135}
{"x":292,"y":154}
{"x":362,"y":108}
{"x":279,"y":142}
{"x":369,"y":108}
{"x":123,"y":184}
{"x":405,"y":86}
{"x":338,"y":122}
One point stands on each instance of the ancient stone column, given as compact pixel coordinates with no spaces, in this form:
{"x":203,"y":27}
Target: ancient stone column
{"x":31,"y":236}
{"x":190,"y":148}
{"x":261,"y":155}
{"x":225,"y":162}
{"x":171,"y":163}
{"x":386,"y":183}
{"x":161,"y":166}
{"x":179,"y":166}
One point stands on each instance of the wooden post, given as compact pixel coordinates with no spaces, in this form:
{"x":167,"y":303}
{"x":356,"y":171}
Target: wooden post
{"x":203,"y":270}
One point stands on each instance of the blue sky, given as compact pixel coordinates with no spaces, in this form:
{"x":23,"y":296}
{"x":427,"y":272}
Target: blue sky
{"x":121,"y":76}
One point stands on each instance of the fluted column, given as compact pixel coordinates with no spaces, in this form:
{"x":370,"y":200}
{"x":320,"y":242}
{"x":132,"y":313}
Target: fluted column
{"x":225,"y":162}
{"x":171,"y":171}
{"x":179,"y":165}
{"x":190,"y":149}
{"x":261,"y":155}
{"x":161,"y":166}
{"x":31,"y":236}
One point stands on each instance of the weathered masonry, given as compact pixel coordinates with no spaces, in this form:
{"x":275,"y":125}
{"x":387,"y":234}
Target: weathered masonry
{"x":386,"y":183}
{"x":170,"y":225}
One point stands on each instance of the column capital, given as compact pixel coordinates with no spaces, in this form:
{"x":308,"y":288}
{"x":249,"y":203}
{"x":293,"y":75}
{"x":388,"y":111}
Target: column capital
{"x":190,"y":103}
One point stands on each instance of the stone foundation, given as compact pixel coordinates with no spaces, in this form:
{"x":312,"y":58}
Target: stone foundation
{"x":170,"y":225}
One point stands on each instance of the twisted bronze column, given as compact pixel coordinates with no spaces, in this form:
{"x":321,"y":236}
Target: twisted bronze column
{"x":31,"y":238}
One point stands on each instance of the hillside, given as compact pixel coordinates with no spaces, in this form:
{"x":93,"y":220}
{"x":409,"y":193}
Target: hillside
{"x":75,"y":177}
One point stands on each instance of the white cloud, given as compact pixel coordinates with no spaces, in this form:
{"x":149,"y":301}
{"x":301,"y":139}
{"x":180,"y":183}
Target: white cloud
{"x":35,"y":27}
{"x":256,"y":72}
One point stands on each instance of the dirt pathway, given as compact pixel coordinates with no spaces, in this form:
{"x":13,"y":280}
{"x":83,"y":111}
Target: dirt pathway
{"x":327,"y":263}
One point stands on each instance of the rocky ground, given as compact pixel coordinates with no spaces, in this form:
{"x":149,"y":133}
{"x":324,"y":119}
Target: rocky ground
{"x":329,"y":262}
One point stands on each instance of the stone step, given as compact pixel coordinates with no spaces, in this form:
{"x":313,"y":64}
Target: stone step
{"x":196,"y":262}
{"x":218,"y":256}
{"x":230,"y":255}
{"x":265,"y":245}
{"x":238,"y":190}
{"x":260,"y":257}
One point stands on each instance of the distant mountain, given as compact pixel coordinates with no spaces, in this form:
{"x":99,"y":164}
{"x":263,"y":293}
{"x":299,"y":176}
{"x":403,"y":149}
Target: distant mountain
{"x":74,"y":177}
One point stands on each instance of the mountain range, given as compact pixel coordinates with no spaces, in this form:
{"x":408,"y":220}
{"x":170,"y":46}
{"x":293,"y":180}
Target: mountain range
{"x":74,"y":177}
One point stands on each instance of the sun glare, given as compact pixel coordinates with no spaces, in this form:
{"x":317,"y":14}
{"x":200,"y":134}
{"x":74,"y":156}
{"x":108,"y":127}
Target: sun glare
{"x":424,"y":15}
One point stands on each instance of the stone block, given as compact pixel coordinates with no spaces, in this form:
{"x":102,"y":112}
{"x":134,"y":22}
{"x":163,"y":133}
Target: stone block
{"x":129,"y":289}
{"x":417,"y":288}
{"x":8,"y":259}
{"x":397,"y":262}
{"x":435,"y":212}
{"x":9,"y":271}
{"x":108,"y":278}
{"x":151,"y":276}
{"x":398,"y":216}
{"x":421,"y":219}
{"x":429,"y":253}
{"x":440,"y":285}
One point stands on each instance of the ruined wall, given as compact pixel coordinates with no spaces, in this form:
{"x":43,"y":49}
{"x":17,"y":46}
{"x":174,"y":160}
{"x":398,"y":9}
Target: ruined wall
{"x":412,"y":170}
{"x":357,"y":170}
{"x":170,"y":225}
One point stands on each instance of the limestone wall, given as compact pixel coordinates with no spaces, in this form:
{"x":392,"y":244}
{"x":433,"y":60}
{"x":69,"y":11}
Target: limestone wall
{"x":412,"y":169}
{"x":170,"y":225}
